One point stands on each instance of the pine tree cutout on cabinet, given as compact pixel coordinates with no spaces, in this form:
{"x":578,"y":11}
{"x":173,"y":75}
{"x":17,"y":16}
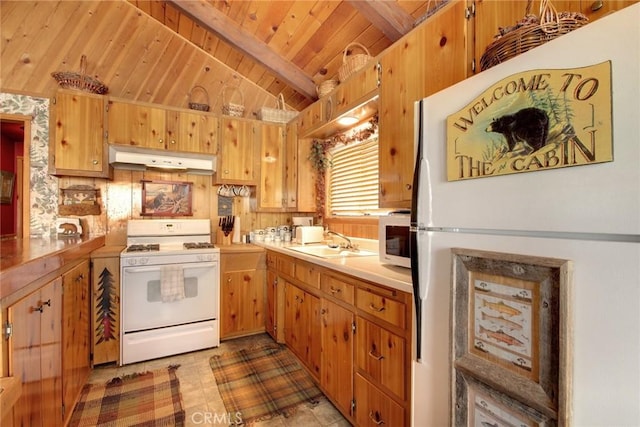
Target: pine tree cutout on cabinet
{"x":104,"y":309}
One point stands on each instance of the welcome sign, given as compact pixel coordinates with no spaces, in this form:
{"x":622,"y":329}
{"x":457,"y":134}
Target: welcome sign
{"x":533,"y":121}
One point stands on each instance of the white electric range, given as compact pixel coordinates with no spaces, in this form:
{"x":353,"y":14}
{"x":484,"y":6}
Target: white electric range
{"x":169,"y":289}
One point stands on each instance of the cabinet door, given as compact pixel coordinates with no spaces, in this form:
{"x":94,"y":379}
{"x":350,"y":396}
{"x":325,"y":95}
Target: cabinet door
{"x":76,"y":339}
{"x":337,"y":354}
{"x":136,"y":125}
{"x":272,"y":292}
{"x":35,"y":356}
{"x":374,"y":408}
{"x":270,"y":192}
{"x":192,"y":132}
{"x":306,"y":182}
{"x":357,"y":89}
{"x":236,"y":155}
{"x":105,"y":309}
{"x":381,"y":354}
{"x":429,"y":58}
{"x":241,"y":303}
{"x":310,"y":118}
{"x":291,"y":166}
{"x":302,"y":336}
{"x":79,"y":145}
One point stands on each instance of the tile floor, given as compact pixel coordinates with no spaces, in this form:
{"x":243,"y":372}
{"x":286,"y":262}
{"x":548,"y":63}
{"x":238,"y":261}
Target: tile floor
{"x":200,"y":397}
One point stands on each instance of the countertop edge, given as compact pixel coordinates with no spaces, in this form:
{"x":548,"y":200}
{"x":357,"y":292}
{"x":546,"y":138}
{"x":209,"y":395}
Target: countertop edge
{"x":365,"y":268}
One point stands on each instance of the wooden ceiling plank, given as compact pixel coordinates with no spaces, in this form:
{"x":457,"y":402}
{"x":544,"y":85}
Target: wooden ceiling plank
{"x":37,"y":38}
{"x":270,"y":24}
{"x":214,"y":21}
{"x":385,"y":15}
{"x":64,"y":38}
{"x":291,"y":26}
{"x":166,"y":59}
{"x":185,"y":26}
{"x":174,"y":74}
{"x":171,"y":17}
{"x":148,"y":63}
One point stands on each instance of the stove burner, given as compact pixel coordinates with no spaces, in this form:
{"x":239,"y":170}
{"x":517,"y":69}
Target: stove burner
{"x":144,"y":248}
{"x":199,"y":245}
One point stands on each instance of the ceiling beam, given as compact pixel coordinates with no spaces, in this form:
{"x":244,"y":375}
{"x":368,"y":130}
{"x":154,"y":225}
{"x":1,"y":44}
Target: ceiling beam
{"x":386,"y":16}
{"x":226,"y":29}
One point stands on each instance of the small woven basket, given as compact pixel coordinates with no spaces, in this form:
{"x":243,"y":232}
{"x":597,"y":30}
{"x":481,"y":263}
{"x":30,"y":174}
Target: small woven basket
{"x":80,"y":80}
{"x":278,"y":114}
{"x":229,"y":108}
{"x":530,"y":32}
{"x":326,"y":87}
{"x":196,"y":105}
{"x":352,"y":63}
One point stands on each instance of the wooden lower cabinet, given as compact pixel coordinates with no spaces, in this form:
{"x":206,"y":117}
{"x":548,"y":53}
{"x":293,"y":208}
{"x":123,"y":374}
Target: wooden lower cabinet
{"x":301,"y":320}
{"x":35,"y":356}
{"x":374,"y":408}
{"x":336,"y":371}
{"x":242,"y":294}
{"x":76,"y":339}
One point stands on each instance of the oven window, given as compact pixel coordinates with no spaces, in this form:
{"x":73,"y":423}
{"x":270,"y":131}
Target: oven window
{"x":154,"y":294}
{"x":397,"y":240}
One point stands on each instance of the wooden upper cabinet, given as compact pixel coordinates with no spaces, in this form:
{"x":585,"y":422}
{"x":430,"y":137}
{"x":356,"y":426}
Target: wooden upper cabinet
{"x":138,"y":125}
{"x":307,"y":175}
{"x":192,"y":132}
{"x":428,"y":59}
{"x":291,"y":166}
{"x":270,"y":192}
{"x":237,"y":152}
{"x":310,"y":118}
{"x":78,"y":147}
{"x":357,"y":89}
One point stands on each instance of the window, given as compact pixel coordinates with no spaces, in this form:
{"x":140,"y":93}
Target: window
{"x":353,"y":178}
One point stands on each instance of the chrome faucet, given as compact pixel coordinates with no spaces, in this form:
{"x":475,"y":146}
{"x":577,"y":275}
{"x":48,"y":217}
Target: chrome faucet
{"x":349,"y":245}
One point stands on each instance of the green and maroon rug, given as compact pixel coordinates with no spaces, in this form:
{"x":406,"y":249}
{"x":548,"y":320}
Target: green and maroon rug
{"x":257,"y":384}
{"x":150,"y":399}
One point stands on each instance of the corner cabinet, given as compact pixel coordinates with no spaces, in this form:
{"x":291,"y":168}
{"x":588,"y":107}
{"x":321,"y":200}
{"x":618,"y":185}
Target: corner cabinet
{"x":237,"y":154}
{"x":242,"y":293}
{"x":428,"y":59}
{"x":78,"y":147}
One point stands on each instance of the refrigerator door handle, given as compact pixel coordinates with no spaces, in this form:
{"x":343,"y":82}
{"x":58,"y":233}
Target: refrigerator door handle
{"x":413,"y":239}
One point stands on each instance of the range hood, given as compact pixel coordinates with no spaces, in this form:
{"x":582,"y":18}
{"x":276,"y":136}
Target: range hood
{"x":135,"y":158}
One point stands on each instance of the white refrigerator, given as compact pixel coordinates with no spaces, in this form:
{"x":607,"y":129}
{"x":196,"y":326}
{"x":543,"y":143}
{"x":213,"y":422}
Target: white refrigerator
{"x":587,"y":214}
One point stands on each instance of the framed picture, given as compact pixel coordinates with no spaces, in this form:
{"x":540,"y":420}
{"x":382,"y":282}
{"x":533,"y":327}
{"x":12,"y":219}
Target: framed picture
{"x":166,"y":198}
{"x":480,"y":405}
{"x":511,"y":328}
{"x":6,"y":186}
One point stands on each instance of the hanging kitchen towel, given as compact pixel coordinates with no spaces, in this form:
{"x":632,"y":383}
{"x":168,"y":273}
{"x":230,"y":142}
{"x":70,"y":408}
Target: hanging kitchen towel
{"x":171,"y":283}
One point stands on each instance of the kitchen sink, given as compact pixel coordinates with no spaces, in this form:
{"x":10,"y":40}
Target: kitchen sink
{"x":328,"y":252}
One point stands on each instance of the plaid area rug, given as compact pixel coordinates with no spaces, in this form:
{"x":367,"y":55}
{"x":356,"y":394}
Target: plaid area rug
{"x":257,"y":384}
{"x":150,"y":399}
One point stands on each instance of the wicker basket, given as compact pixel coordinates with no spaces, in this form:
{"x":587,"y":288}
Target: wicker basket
{"x":229,"y":108}
{"x":326,"y":87}
{"x":531,"y":32}
{"x":278,"y":114}
{"x":353,"y":62}
{"x":80,"y":80}
{"x":196,"y":105}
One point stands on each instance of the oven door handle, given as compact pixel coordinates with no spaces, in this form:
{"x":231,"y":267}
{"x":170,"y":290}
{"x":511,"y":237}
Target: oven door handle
{"x":157,"y":267}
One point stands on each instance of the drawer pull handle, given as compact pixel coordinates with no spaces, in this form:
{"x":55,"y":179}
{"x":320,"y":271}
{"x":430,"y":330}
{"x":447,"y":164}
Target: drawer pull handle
{"x":375,"y":356}
{"x":374,"y":308}
{"x":334,"y":290}
{"x":375,"y":418}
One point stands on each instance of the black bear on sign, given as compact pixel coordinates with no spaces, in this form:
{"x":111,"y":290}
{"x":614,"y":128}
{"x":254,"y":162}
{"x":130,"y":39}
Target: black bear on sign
{"x":529,"y":125}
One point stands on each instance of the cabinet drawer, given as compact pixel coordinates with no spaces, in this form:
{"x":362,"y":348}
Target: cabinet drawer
{"x":374,"y":408}
{"x":337,"y":288}
{"x":272,"y":260}
{"x":381,"y":354}
{"x":285,"y":265}
{"x":382,"y":307}
{"x":307,"y":274}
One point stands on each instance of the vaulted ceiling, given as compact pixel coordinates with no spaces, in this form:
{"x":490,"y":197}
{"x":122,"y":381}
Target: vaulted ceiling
{"x":288,"y":47}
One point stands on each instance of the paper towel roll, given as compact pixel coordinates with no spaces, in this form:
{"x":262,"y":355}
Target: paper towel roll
{"x":236,"y":230}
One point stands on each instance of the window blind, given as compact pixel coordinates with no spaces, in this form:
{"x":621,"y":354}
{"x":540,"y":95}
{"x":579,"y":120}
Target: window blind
{"x":353,"y":178}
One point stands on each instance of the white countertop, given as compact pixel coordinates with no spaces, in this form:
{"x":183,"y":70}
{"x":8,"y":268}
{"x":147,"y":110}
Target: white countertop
{"x":363,"y":267}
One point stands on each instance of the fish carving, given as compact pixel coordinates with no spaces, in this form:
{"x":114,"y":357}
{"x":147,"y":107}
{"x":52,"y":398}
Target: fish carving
{"x":501,"y":336}
{"x":501,"y":307}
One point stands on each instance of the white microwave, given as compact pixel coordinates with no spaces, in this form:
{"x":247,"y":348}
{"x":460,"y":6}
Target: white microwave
{"x":394,"y":239}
